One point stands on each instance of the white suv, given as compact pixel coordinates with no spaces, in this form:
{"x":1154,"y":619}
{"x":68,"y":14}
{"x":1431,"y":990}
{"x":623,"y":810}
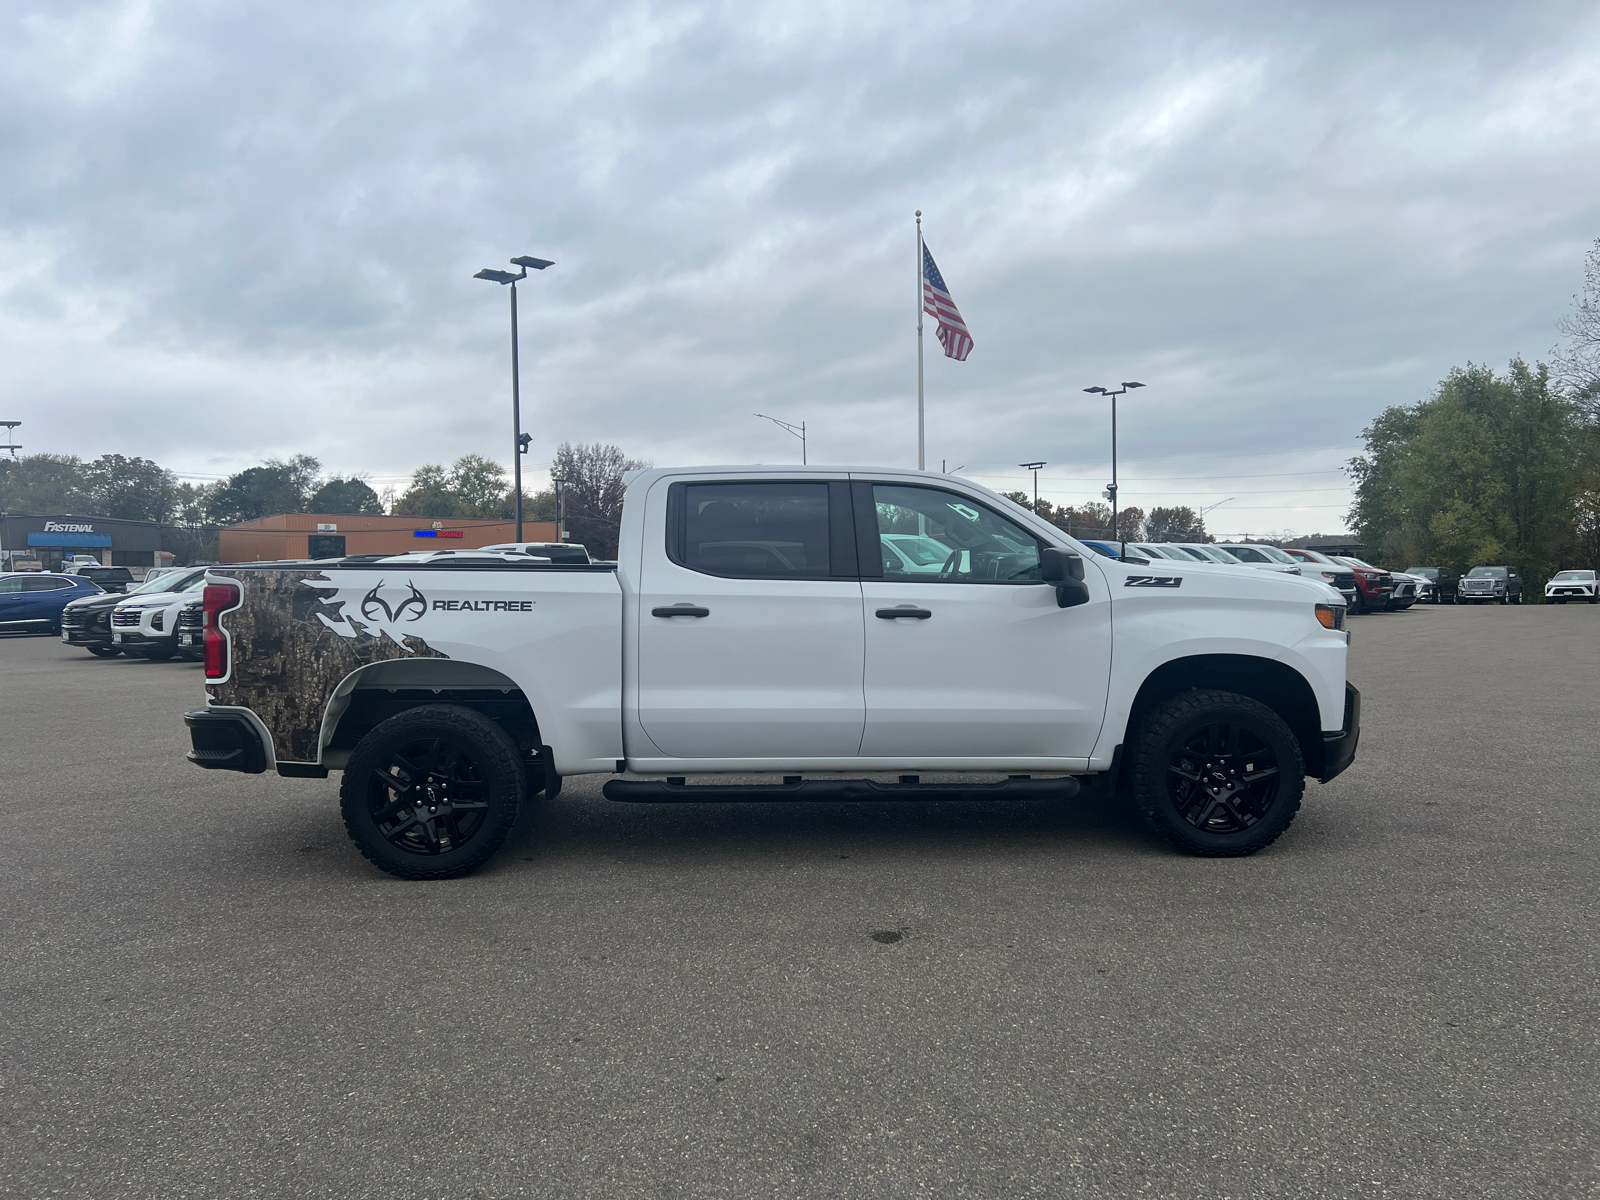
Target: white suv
{"x":1571,"y":585}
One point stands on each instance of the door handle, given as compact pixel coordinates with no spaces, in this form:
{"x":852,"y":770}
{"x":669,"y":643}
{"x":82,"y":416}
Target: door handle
{"x":681,"y":610}
{"x":905,"y":610}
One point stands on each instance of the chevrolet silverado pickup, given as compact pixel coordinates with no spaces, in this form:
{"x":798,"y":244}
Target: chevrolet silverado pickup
{"x":762,"y":622}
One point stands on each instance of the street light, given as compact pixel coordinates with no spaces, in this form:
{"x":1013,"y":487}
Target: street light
{"x":1111,"y":492}
{"x":11,"y":432}
{"x":1034,"y":467}
{"x":520,"y":440}
{"x":799,"y":431}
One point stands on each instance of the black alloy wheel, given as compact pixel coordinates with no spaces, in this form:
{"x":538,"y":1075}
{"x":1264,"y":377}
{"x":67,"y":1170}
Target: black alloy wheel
{"x":433,"y":792}
{"x":103,"y":651}
{"x":1217,"y":774}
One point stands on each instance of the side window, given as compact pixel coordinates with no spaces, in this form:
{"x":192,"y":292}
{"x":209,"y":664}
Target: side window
{"x":13,"y":584}
{"x":933,"y":536}
{"x":1245,"y":554}
{"x":766,"y":530}
{"x":45,"y":583}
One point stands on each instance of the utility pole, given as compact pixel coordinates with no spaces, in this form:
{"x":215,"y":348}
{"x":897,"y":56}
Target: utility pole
{"x":561,"y":506}
{"x":1034,"y":467}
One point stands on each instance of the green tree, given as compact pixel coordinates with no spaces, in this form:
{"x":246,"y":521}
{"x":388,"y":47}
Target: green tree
{"x":45,"y":484}
{"x":134,"y":489}
{"x":351,"y":495}
{"x":273,"y":487}
{"x":1484,"y":471}
{"x":472,"y":486}
{"x":1180,"y":524}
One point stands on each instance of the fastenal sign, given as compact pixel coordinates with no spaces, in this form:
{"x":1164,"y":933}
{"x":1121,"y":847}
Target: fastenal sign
{"x":61,"y":527}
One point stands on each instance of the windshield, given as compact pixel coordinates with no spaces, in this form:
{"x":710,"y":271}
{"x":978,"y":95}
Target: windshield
{"x":1248,"y":554}
{"x":1217,"y":553}
{"x":172,"y":581}
{"x":1574,"y":576}
{"x":1315,"y":556}
{"x":1487,"y":573}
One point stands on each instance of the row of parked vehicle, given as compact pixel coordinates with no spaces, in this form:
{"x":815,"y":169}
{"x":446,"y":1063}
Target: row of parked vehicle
{"x":1367,"y":588}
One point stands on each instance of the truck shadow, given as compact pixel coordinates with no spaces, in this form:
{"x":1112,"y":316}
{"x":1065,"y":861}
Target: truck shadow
{"x":582,"y":823}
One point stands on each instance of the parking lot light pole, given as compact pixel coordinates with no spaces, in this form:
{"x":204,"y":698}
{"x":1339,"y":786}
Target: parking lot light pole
{"x":519,"y":442}
{"x":561,"y":505}
{"x":1111,"y":492}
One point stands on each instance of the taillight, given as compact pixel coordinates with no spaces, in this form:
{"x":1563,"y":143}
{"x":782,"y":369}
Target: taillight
{"x":218,"y":599}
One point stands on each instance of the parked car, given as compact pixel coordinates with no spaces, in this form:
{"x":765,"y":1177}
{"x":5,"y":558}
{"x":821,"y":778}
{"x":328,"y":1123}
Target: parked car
{"x":556,"y":552}
{"x":17,"y":561}
{"x":914,"y":553}
{"x":1374,"y":585}
{"x":1405,"y":590}
{"x":1438,"y":584}
{"x":1108,"y":549}
{"x":191,"y":624}
{"x":1264,"y":558}
{"x":110,"y":579}
{"x":1339,"y":576}
{"x":31,"y":601}
{"x":1572,"y":585}
{"x":1490,"y":585}
{"x":447,"y":694}
{"x":146,"y":625}
{"x":87,"y":622}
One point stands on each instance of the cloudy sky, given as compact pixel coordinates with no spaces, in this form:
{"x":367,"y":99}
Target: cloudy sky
{"x":237,"y":230}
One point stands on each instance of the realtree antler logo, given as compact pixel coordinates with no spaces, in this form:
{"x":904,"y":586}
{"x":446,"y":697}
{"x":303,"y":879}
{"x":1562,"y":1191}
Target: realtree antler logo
{"x":372,"y":603}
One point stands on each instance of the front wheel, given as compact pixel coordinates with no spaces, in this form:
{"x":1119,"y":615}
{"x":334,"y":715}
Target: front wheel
{"x":1217,"y":774}
{"x":433,"y":792}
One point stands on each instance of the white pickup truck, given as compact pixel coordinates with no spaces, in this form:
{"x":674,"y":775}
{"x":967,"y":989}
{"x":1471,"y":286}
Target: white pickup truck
{"x":755,"y":625}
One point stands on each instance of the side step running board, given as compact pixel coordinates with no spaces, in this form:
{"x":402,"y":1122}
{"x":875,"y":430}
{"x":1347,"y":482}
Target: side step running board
{"x":831,"y":791}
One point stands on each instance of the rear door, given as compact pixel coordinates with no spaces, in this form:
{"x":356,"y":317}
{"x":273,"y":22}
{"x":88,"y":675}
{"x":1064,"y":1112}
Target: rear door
{"x":984,"y":663}
{"x":750,"y":634}
{"x":12,"y":599}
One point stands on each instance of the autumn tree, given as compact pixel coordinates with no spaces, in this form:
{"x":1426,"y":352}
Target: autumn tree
{"x":592,"y":492}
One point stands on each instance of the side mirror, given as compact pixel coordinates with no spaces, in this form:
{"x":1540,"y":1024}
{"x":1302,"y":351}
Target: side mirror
{"x":1064,"y":569}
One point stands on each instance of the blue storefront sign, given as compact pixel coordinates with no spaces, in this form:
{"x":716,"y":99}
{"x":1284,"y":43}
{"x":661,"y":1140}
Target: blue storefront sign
{"x":66,"y":540}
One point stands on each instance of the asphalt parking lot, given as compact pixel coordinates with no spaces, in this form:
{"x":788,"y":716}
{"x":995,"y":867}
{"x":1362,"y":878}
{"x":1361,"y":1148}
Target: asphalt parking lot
{"x":209,"y":993}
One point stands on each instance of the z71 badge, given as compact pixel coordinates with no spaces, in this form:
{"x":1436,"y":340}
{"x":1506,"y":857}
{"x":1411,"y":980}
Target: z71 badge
{"x":1154,"y":581}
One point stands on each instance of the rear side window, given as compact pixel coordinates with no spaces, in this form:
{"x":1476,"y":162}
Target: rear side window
{"x":45,"y":583}
{"x":769,"y":530}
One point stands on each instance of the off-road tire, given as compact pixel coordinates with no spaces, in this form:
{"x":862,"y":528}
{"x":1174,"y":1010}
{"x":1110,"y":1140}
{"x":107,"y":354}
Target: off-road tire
{"x":1163,"y":795}
{"x":103,"y":651}
{"x":489,"y":786}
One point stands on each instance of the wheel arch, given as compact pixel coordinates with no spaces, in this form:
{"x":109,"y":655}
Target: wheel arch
{"x":1276,"y":684}
{"x":377,"y":691}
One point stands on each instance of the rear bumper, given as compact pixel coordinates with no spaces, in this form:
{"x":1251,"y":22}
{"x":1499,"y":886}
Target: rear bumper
{"x":1339,"y":749}
{"x":225,"y":740}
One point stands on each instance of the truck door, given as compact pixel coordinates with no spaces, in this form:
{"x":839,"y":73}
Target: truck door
{"x":984,"y":663}
{"x":750,"y":633}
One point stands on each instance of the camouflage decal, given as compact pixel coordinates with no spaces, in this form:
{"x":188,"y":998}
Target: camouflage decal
{"x":297,"y":635}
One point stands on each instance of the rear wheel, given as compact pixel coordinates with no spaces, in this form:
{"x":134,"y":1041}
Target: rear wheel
{"x":103,"y":651}
{"x":1217,"y":774}
{"x":433,"y":792}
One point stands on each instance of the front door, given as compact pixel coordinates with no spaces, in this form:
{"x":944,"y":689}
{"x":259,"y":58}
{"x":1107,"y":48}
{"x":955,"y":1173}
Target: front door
{"x":763,"y":658}
{"x":985,"y":664}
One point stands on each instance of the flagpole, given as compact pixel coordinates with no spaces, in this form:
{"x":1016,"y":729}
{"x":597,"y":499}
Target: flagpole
{"x":921,"y":458}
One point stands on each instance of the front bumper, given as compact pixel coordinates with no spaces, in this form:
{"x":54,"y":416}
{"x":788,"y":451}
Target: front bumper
{"x":1339,"y":749}
{"x":224,"y":741}
{"x":77,"y":635}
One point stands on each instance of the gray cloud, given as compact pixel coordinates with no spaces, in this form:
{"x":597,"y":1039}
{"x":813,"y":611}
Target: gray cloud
{"x":234,"y":231}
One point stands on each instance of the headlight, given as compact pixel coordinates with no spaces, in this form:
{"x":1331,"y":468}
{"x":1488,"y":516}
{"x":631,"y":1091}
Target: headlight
{"x":1330,"y":616}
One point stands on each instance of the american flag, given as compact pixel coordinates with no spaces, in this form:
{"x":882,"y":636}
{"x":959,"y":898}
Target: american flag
{"x":936,"y":303}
